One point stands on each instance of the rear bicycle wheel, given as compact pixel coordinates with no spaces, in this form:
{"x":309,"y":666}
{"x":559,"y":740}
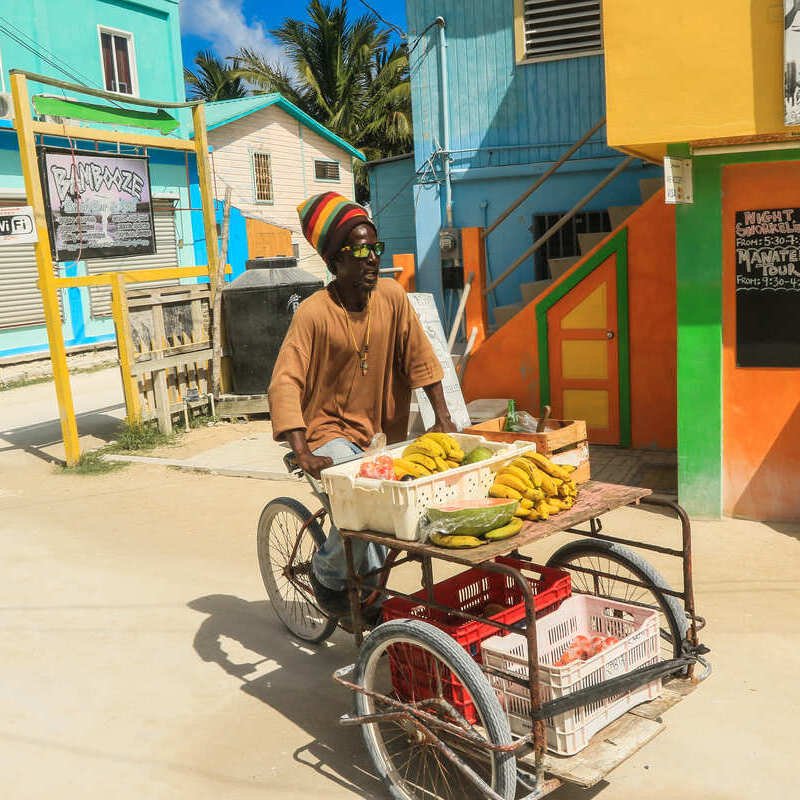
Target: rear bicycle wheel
{"x":621,"y":565}
{"x":288,"y":536}
{"x":417,"y":664}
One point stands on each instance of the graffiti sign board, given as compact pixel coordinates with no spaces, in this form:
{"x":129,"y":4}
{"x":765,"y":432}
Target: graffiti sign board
{"x":98,"y":204}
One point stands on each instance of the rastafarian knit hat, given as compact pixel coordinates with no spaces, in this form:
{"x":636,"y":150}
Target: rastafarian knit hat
{"x":327,"y":220}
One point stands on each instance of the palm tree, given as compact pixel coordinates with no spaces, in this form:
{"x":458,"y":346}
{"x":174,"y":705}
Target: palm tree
{"x":213,"y":80}
{"x":345,"y":74}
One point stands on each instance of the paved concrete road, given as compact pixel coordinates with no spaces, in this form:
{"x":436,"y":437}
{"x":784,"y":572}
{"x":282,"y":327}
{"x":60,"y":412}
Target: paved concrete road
{"x":140,"y":659}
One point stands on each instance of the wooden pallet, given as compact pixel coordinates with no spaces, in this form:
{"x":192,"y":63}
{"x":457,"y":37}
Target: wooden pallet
{"x":170,"y":349}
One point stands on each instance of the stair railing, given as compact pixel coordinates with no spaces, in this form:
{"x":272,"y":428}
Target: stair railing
{"x":561,"y":161}
{"x":558,"y":225}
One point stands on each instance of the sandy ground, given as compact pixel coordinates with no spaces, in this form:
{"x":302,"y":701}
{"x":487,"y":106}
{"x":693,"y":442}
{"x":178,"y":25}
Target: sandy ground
{"x":141,"y":659}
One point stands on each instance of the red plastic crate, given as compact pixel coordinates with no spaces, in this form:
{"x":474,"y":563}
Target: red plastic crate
{"x":471,"y":591}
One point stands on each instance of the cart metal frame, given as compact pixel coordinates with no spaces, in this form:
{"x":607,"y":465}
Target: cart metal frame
{"x":595,"y":499}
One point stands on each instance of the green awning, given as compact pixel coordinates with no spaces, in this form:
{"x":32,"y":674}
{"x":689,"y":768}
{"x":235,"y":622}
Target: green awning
{"x":107,"y":115}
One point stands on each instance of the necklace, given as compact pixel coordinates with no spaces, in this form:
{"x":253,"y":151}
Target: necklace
{"x":360,"y":353}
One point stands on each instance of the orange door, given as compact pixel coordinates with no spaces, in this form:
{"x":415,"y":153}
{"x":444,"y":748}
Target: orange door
{"x":584,"y":359}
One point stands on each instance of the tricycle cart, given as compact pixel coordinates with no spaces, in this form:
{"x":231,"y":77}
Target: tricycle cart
{"x":444,"y":732}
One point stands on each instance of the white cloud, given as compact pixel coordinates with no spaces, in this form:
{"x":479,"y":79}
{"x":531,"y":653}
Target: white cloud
{"x":223,"y":23}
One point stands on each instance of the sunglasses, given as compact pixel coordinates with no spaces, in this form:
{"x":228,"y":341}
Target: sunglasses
{"x":363,"y":250}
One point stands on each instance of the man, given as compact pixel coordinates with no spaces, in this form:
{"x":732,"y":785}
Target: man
{"x":345,"y":371}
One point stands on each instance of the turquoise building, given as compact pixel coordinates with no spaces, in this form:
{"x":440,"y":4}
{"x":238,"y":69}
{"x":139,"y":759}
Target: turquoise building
{"x":500,"y":90}
{"x":129,"y":48}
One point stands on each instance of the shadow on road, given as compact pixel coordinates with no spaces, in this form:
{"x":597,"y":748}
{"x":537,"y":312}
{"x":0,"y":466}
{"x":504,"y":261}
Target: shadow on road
{"x":32,"y":439}
{"x":293,"y":678}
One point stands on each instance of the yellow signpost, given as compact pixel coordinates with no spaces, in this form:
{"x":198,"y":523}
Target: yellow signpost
{"x":27,"y":129}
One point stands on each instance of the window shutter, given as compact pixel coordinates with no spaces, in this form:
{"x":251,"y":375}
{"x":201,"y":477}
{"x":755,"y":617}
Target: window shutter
{"x":562,"y":28}
{"x":326,"y":170}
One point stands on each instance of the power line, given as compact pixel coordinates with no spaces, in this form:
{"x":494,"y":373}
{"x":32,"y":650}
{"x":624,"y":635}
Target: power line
{"x":399,"y":31}
{"x":50,"y":58}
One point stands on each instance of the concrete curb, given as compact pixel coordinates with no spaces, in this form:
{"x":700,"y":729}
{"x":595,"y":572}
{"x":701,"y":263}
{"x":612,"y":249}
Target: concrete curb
{"x":188,"y":464}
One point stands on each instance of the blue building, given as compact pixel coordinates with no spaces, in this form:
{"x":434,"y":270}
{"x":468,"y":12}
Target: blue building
{"x":131,"y":49}
{"x":500,"y":90}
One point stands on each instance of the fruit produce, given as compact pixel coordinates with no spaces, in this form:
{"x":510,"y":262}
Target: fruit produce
{"x":505,"y":532}
{"x":479,"y":453}
{"x":544,"y":488}
{"x":381,"y":468}
{"x":583,"y":648}
{"x":472,"y":517}
{"x":456,"y":542}
{"x":427,"y":455}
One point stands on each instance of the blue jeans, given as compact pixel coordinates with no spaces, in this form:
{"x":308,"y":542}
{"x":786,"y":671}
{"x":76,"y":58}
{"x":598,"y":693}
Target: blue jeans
{"x":329,"y":562}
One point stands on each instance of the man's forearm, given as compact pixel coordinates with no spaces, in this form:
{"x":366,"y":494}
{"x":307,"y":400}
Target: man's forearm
{"x":435,"y":394}
{"x":297,"y":441}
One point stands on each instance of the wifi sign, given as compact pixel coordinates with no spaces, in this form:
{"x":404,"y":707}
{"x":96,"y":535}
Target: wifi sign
{"x":17,"y":226}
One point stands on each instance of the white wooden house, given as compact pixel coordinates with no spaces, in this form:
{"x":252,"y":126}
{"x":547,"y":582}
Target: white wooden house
{"x":274,"y":156}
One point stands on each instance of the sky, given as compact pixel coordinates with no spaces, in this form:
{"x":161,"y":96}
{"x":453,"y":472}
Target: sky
{"x":226,"y":25}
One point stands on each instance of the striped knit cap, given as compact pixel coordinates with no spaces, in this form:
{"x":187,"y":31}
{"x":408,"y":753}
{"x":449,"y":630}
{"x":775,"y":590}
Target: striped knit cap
{"x":327,"y":220}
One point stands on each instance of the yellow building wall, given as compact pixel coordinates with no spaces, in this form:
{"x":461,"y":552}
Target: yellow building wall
{"x":688,"y":70}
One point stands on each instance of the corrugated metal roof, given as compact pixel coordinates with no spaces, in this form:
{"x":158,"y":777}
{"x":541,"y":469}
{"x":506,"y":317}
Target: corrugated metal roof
{"x":223,"y":112}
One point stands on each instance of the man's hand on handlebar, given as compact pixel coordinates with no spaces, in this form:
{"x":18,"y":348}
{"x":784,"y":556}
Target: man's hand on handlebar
{"x":311,"y":464}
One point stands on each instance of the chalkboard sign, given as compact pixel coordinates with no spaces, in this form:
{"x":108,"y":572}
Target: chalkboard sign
{"x":768,"y":288}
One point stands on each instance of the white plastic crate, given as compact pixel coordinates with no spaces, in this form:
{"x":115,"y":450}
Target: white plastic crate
{"x":638,"y":631}
{"x":395,"y":507}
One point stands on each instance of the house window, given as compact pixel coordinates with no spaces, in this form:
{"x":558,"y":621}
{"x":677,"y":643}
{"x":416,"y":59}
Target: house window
{"x":551,"y":29}
{"x":326,"y":170}
{"x":565,"y":243}
{"x":119,"y":65}
{"x":262,"y":178}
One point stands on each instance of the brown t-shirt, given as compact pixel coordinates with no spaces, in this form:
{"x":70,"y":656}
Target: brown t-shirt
{"x":317,"y":382}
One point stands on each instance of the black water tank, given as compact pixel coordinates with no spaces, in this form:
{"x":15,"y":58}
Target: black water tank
{"x":258,"y":307}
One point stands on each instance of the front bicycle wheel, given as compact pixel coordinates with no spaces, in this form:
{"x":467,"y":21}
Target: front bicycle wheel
{"x":412,"y":662}
{"x":609,"y":570}
{"x":288,"y":536}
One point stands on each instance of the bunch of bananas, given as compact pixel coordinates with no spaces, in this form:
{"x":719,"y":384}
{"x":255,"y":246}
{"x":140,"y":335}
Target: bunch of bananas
{"x":460,"y":542}
{"x":541,"y":487}
{"x":427,"y":455}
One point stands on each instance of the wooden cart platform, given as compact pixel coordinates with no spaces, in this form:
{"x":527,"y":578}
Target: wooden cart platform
{"x":595,"y":498}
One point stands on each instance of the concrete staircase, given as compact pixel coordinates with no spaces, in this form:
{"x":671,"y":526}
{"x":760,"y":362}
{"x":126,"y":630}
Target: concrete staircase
{"x":558,"y":266}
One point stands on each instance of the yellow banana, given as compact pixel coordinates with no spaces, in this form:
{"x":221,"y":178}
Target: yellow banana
{"x":446,"y":442}
{"x":512,"y":482}
{"x":410,"y":468}
{"x":456,"y":542}
{"x":535,"y":473}
{"x":552,"y":505}
{"x":525,"y":503}
{"x":566,"y":489}
{"x":425,"y":461}
{"x":549,"y":485}
{"x":518,"y":473}
{"x":452,"y":464}
{"x":441,"y":464}
{"x":542,"y":509}
{"x":421,"y":448}
{"x":427,"y":441}
{"x":505,"y":532}
{"x":534,"y":495}
{"x":547,"y":465}
{"x":498,"y":490}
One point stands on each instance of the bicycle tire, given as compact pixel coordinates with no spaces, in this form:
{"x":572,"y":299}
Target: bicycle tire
{"x":294,"y":607}
{"x":405,"y":633}
{"x":673,"y":634}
